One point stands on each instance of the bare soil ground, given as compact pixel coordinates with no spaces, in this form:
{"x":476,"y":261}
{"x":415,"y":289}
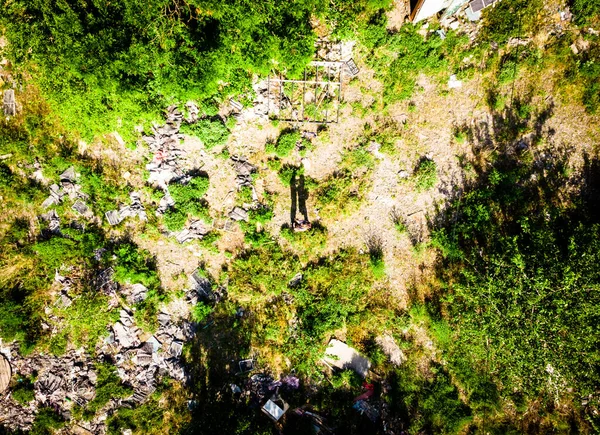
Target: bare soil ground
{"x":427,"y":126}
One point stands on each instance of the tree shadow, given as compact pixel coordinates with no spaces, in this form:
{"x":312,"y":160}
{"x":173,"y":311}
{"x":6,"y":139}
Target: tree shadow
{"x":523,"y":213}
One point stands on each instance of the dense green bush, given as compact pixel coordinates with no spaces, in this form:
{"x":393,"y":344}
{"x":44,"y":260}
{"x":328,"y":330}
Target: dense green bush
{"x":108,"y":386}
{"x":212,"y":132}
{"x":585,"y":10}
{"x":285,"y":144}
{"x":189,"y":202}
{"x":523,"y":288}
{"x":46,"y":422}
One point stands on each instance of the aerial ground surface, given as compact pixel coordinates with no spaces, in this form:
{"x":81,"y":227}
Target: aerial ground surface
{"x":299,"y":217}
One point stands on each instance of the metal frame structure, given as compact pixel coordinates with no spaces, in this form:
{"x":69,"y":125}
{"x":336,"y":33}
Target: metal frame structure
{"x":322,"y":88}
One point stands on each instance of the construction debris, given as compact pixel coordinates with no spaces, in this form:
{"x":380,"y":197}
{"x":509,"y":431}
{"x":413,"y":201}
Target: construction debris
{"x":113,"y":217}
{"x":275,"y":407}
{"x":81,"y":208}
{"x":9,"y":105}
{"x":166,"y":166}
{"x":136,"y":208}
{"x":352,"y":68}
{"x":238,"y":214}
{"x":342,"y":356}
{"x":196,"y":230}
{"x":244,"y":170}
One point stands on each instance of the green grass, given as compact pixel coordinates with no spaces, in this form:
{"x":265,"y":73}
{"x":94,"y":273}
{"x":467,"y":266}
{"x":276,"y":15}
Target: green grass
{"x":425,"y":175}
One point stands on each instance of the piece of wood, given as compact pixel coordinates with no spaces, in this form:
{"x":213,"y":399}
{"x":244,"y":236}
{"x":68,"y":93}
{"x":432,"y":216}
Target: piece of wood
{"x":5,"y":373}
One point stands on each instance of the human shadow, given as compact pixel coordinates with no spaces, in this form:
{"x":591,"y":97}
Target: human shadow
{"x":298,"y":195}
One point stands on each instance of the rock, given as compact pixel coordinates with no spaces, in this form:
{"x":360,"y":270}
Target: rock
{"x":193,"y":111}
{"x":164,"y":204}
{"x":454,"y":83}
{"x":296,"y":280}
{"x":176,"y":348}
{"x":138,"y":293}
{"x":391,"y":349}
{"x":403,"y":174}
{"x":124,"y":336}
{"x":342,"y":356}
{"x":69,"y":175}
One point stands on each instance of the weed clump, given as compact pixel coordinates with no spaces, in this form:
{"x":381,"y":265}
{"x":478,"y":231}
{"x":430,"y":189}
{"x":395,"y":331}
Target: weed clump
{"x":425,"y":175}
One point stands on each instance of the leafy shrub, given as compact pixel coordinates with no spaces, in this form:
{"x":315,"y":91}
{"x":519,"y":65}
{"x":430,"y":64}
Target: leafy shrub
{"x":211,"y":132}
{"x":189,"y":202}
{"x":286,"y":143}
{"x":425,"y":175}
{"x":201,"y":311}
{"x":108,"y":386}
{"x":585,"y":10}
{"x":46,"y":422}
{"x":135,"y":265}
{"x":23,"y":392}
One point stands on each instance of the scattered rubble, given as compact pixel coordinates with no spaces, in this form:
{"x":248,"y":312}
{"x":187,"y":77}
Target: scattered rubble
{"x":196,"y":230}
{"x":244,"y":170}
{"x":136,"y":208}
{"x":238,"y":214}
{"x":166,"y":166}
{"x":68,"y":187}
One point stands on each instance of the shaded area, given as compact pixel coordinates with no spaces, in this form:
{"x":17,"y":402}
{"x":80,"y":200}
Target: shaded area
{"x":519,"y":252}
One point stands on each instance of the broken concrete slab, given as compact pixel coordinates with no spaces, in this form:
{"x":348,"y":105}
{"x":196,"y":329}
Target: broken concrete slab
{"x":113,"y":217}
{"x":338,"y":354}
{"x":9,"y":104}
{"x":238,"y":214}
{"x":81,"y":208}
{"x":125,"y":336}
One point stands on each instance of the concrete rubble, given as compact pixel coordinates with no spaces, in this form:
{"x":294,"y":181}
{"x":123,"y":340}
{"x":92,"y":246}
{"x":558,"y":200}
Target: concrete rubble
{"x":140,"y":359}
{"x":238,"y":214}
{"x":166,"y":165}
{"x":195,"y":231}
{"x":68,"y":188}
{"x":136,"y":208}
{"x":244,"y":170}
{"x":9,"y":105}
